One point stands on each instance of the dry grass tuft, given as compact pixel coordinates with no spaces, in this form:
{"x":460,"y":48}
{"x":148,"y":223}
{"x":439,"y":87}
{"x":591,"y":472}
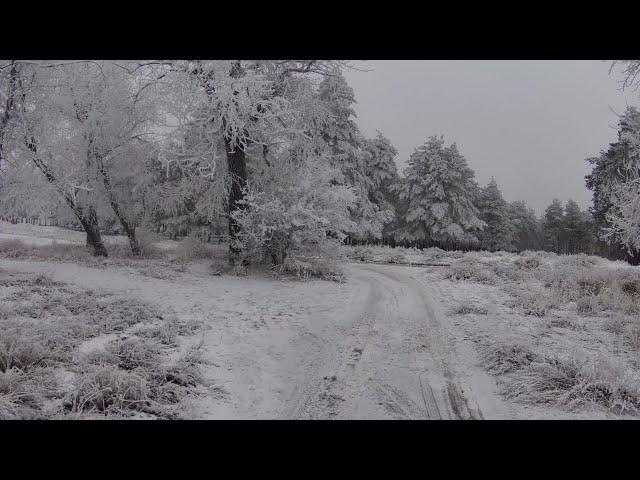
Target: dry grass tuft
{"x":469,"y":308}
{"x":45,"y":323}
{"x":571,"y":383}
{"x":503,"y":358}
{"x":308,"y":267}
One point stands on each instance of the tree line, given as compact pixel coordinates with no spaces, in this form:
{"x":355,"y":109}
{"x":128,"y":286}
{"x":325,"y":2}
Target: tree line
{"x":268,"y":155}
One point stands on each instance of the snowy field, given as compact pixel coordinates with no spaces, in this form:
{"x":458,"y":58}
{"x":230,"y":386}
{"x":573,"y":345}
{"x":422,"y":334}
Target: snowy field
{"x":408,"y":334}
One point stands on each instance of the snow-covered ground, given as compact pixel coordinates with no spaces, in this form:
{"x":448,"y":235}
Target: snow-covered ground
{"x":463,"y":337}
{"x":38,"y":236}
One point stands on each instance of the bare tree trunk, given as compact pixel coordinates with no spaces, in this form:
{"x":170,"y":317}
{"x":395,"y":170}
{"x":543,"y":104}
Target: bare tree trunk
{"x":90,"y":224}
{"x":237,"y":166}
{"x":88,"y":221}
{"x":128,"y":228}
{"x":237,"y":169}
{"x":634,"y":258}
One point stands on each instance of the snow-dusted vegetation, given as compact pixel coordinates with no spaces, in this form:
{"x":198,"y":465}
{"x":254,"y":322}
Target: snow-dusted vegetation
{"x":219,"y":239}
{"x":68,"y":352}
{"x":556,"y":330}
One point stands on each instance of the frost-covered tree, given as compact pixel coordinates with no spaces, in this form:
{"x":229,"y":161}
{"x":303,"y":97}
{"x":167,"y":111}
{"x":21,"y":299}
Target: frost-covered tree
{"x":553,"y":226}
{"x":84,"y":125}
{"x":525,"y":225}
{"x":624,"y":221}
{"x":245,"y":104}
{"x":177,"y":144}
{"x":439,"y":188}
{"x":381,"y":170}
{"x":612,"y":171}
{"x":576,"y":228}
{"x":630,"y":72}
{"x":494,"y":211}
{"x":362,"y":165}
{"x":305,"y":209}
{"x":43,"y":136}
{"x":111,"y":113}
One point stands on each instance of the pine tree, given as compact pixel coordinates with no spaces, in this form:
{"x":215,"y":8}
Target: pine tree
{"x":575,"y":228}
{"x":553,"y":226}
{"x":526,"y":227}
{"x":498,"y":234}
{"x":363,"y":165}
{"x":440,"y":188}
{"x":381,"y":171}
{"x":612,"y":173}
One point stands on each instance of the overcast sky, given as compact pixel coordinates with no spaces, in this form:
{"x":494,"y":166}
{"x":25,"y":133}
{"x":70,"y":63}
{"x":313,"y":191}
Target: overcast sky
{"x":530,"y":124}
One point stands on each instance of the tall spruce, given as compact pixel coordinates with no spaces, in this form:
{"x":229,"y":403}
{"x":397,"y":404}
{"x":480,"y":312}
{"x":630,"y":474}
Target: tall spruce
{"x":494,"y":211}
{"x":439,"y":188}
{"x":614,"y":170}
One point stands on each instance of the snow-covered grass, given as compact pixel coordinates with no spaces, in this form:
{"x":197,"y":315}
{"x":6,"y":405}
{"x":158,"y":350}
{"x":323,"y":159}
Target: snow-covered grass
{"x":160,"y":258}
{"x":256,"y":331}
{"x":68,"y":352}
{"x":398,"y":255}
{"x":560,"y":334}
{"x":37,"y":235}
{"x":558,"y":331}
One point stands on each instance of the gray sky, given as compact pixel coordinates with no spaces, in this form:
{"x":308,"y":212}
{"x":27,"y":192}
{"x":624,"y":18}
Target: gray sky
{"x":530,"y":124}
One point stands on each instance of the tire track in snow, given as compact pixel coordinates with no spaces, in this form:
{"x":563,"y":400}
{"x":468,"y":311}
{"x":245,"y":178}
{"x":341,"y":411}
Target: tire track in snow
{"x":402,"y":369}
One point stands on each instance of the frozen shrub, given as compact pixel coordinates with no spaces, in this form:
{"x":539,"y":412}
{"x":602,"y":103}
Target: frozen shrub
{"x":560,"y":322}
{"x":468,"y":308}
{"x":169,"y":384}
{"x":192,"y":249}
{"x":506,"y":271}
{"x":23,"y":394}
{"x":588,"y":305}
{"x":108,"y":390}
{"x":44,"y":281}
{"x":311,"y":267}
{"x":133,"y":353}
{"x":58,"y":251}
{"x":503,"y":358}
{"x":303,"y":209}
{"x":361,"y":254}
{"x":115,"y":381}
{"x":17,"y":352}
{"x":572,"y":383}
{"x":532,"y":302}
{"x":113,"y":314}
{"x":472,"y":270}
{"x":434,"y":253}
{"x":12,"y":248}
{"x":396,"y":257}
{"x":146,"y":241}
{"x":101,"y":357}
{"x":615,"y":324}
{"x":164,"y":334}
{"x":527,"y":263}
{"x":580,"y":260}
{"x":613,"y":290}
{"x":183,"y":373}
{"x":539,"y":254}
{"x":630,"y":286}
{"x":632,"y":335}
{"x":26,"y":342}
{"x":10,"y":410}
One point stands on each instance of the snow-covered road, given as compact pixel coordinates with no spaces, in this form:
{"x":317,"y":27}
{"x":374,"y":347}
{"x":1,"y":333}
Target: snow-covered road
{"x":371,"y":348}
{"x":385,"y":358}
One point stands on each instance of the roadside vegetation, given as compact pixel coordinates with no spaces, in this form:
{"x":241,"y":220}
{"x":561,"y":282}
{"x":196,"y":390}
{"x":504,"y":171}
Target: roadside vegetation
{"x":556,"y":330}
{"x":66,"y":352}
